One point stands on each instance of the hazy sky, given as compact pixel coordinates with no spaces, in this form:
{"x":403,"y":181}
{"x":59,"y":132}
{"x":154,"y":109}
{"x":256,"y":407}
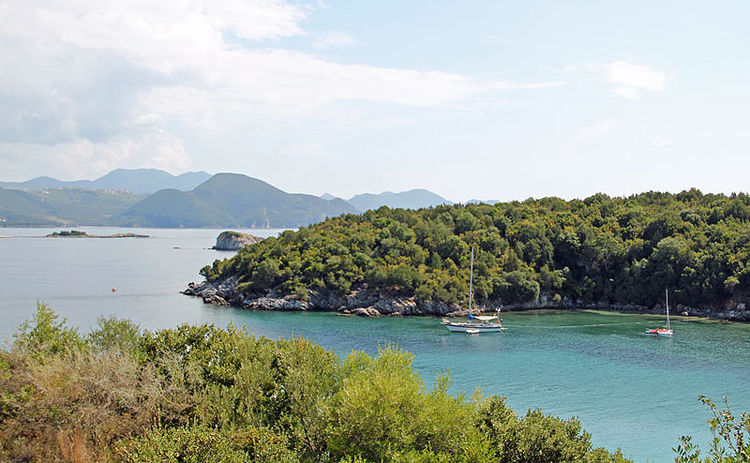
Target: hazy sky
{"x":471,"y":99}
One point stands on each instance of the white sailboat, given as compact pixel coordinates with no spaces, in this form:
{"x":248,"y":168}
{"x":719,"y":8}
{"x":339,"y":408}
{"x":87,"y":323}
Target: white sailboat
{"x":667,"y":330}
{"x":477,"y":323}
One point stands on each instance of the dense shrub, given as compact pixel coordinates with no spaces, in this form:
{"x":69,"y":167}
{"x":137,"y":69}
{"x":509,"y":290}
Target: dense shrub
{"x":204,"y":394}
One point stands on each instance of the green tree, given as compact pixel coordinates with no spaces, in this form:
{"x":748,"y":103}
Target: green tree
{"x":731,"y":441}
{"x":47,"y":333}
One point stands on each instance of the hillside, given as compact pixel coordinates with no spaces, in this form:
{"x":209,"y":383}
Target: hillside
{"x":18,"y":208}
{"x":547,"y":252}
{"x":139,"y":181}
{"x":412,"y":199}
{"x":87,"y":206}
{"x":62,"y":207}
{"x":231,"y":200}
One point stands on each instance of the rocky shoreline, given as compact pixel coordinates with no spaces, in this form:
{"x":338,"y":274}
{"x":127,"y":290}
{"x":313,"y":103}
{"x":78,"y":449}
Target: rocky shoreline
{"x":370,"y":303}
{"x":362,"y":302}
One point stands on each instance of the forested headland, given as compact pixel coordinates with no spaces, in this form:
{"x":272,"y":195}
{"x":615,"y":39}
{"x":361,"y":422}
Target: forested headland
{"x":548,"y":252}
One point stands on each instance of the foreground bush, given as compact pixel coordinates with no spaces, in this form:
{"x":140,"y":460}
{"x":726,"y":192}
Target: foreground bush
{"x":204,"y":394}
{"x":731,"y":442}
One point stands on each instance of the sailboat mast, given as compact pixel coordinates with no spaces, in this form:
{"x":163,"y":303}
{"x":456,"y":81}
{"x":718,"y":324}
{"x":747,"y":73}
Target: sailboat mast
{"x":667,"y":299}
{"x":471,"y":278}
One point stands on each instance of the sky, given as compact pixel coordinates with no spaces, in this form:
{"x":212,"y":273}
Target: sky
{"x":497,"y":99}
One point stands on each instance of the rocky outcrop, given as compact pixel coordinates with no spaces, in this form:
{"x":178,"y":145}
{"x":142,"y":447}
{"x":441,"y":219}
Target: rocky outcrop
{"x":735,"y":313}
{"x":232,"y":240}
{"x":362,"y":302}
{"x":366,"y":302}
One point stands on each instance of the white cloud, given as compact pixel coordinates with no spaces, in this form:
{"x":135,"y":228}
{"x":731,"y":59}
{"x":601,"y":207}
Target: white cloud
{"x":335,"y":39}
{"x":636,"y":76}
{"x":508,"y":85}
{"x":82,"y":158}
{"x":627,"y":92}
{"x":631,"y":79}
{"x":87,"y":77}
{"x":179,"y":47}
{"x":172,"y":57}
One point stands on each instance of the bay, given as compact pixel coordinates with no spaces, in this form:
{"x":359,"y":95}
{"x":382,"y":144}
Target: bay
{"x":629,"y":390}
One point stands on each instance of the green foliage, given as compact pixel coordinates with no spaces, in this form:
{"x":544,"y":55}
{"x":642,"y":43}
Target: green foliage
{"x":601,"y":249}
{"x":537,"y":438}
{"x":115,"y":333}
{"x":46,"y":333}
{"x":516,"y":286}
{"x":731,"y":441}
{"x":200,"y":393}
{"x":383,"y":410}
{"x":67,"y":233}
{"x":197,"y":444}
{"x":178,"y":445}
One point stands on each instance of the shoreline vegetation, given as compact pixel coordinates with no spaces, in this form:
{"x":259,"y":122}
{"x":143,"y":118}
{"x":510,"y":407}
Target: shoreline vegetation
{"x":205,"y":394}
{"x":600,"y":253}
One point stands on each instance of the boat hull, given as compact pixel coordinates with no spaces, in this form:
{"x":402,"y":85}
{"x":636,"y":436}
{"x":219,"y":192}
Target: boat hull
{"x":660,"y":332}
{"x":483,"y":328}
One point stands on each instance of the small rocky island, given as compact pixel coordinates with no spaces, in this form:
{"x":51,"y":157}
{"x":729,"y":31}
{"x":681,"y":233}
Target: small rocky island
{"x":233,"y":241}
{"x":83,"y":234}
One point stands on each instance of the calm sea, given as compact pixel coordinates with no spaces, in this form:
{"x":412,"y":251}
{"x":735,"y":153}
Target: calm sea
{"x":629,"y":390}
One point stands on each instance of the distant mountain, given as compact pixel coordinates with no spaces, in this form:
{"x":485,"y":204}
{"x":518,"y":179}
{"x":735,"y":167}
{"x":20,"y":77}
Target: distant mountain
{"x":139,"y":181}
{"x":224,"y":200}
{"x":39,"y":183}
{"x":18,"y":208}
{"x":63,"y":207}
{"x":412,"y":199}
{"x":328,"y":196}
{"x":231,"y":200}
{"x":149,"y":180}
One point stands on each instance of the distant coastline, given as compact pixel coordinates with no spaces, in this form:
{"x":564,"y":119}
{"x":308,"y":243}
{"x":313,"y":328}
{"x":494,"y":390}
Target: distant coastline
{"x":82,"y":234}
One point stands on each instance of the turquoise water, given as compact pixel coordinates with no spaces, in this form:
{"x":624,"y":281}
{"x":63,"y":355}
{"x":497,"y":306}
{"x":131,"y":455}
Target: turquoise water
{"x":630,"y":391}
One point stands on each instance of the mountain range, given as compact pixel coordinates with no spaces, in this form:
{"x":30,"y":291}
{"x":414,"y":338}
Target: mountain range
{"x":154,"y":198}
{"x":412,"y":199}
{"x":231,"y":200}
{"x":139,"y":181}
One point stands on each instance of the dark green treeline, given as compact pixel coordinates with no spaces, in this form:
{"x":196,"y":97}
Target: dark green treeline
{"x":600,"y":249}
